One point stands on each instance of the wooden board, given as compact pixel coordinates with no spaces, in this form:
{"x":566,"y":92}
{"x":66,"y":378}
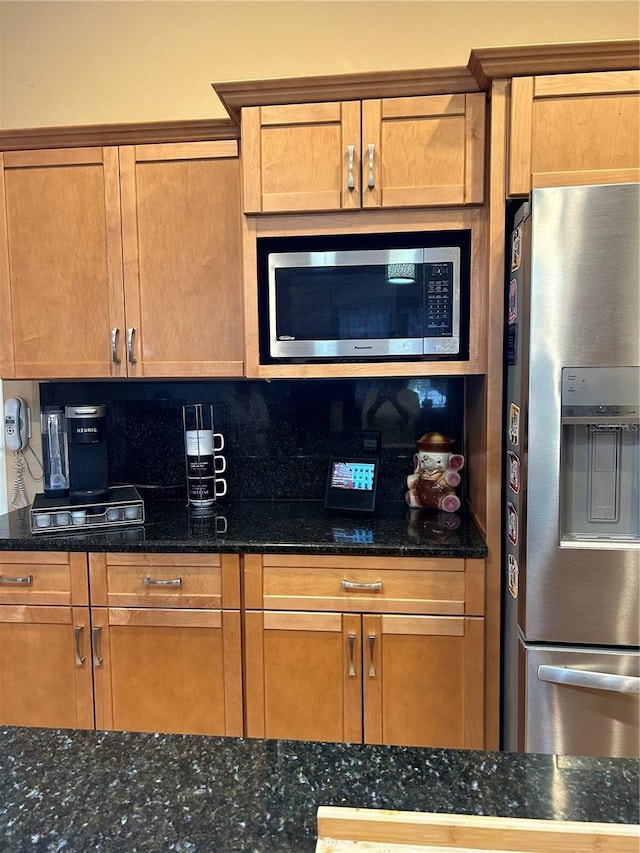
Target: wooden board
{"x":367,"y":830}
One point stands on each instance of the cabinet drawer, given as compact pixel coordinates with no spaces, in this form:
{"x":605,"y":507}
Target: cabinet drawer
{"x":359,"y":584}
{"x":43,"y":577}
{"x":165,"y":580}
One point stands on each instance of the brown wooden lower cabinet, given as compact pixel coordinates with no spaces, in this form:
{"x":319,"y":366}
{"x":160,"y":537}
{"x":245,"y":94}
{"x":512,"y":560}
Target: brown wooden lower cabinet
{"x":153,"y":642}
{"x":167,"y":670}
{"x":410,"y":680}
{"x":169,"y":664}
{"x":45,"y":667}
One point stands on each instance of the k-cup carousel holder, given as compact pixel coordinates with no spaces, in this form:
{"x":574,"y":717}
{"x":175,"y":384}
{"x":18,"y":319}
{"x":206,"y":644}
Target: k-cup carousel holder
{"x":123,"y":506}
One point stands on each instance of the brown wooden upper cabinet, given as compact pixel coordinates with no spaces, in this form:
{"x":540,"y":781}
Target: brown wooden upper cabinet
{"x":574,"y":129}
{"x":121,"y":262}
{"x":379,"y":153}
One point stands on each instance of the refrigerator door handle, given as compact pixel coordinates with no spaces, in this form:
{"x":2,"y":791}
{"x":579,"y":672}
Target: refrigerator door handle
{"x":594,"y":680}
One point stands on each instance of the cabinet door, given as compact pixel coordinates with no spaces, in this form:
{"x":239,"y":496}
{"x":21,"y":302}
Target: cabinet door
{"x":303,"y":678}
{"x":45,"y":667}
{"x":574,"y":129}
{"x":423,"y":680}
{"x":167,"y":670}
{"x":61,"y":273}
{"x":301,"y":157}
{"x":183,"y":259}
{"x":425,"y":151}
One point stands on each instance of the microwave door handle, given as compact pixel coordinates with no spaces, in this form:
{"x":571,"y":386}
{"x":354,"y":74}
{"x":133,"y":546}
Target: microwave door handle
{"x":594,"y":680}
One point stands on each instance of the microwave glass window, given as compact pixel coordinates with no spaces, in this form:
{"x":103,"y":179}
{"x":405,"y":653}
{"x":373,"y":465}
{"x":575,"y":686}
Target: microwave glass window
{"x":347,"y":303}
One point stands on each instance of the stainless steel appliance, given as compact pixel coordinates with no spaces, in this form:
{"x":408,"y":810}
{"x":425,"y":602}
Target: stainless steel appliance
{"x":571,"y":663}
{"x":87,"y":445}
{"x":372,"y":296}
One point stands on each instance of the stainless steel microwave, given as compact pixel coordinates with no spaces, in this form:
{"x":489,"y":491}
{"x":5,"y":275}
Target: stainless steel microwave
{"x":365,"y":303}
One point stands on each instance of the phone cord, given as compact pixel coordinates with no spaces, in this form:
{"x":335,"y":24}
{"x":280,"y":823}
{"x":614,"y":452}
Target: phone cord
{"x":19,"y":494}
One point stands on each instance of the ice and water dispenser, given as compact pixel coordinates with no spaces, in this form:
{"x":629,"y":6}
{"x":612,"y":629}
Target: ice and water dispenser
{"x":600,"y":456}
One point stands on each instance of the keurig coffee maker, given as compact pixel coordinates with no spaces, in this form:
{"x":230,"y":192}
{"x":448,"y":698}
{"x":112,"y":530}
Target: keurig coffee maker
{"x":87,"y":446}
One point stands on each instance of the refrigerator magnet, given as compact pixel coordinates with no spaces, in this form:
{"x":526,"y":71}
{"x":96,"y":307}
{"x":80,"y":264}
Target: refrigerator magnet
{"x":512,"y":523}
{"x":514,"y":471}
{"x":512,"y":575}
{"x":514,"y":424}
{"x":512,"y":302}
{"x":516,"y":248}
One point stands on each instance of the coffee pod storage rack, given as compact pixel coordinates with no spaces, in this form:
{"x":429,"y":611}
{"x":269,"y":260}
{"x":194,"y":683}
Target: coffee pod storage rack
{"x":123,"y":506}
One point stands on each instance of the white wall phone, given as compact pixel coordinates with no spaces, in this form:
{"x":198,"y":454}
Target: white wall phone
{"x":16,"y":424}
{"x":17,"y":431}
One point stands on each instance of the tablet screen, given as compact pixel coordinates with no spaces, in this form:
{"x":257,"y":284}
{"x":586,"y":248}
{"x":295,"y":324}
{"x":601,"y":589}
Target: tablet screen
{"x":351,"y":484}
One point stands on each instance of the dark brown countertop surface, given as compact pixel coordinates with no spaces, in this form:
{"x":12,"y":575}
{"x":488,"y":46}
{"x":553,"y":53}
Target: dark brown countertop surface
{"x":304,"y":527}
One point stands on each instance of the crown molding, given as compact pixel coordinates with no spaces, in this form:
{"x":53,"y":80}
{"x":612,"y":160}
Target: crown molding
{"x":343,"y":87}
{"x":97,"y":135}
{"x":491,"y":63}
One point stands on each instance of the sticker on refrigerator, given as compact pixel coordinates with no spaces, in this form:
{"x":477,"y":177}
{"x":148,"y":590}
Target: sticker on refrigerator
{"x":514,"y":424}
{"x":512,"y":523}
{"x":512,"y":303}
{"x":512,"y":575}
{"x":516,"y":248}
{"x":514,"y":471}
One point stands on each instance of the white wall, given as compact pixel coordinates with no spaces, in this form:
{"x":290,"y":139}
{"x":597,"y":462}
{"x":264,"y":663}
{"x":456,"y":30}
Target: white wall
{"x":65,"y":62}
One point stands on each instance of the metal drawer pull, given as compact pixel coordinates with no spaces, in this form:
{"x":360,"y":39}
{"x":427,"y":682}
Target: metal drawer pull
{"x":372,"y":666}
{"x":356,"y":585}
{"x":77,"y":633}
{"x":130,"y":355}
{"x":95,"y":646}
{"x":352,"y":647}
{"x":371,"y":182}
{"x":115,"y":334}
{"x":351,"y":150}
{"x":154,"y":582}
{"x":595,"y":680}
{"x":24,"y":580}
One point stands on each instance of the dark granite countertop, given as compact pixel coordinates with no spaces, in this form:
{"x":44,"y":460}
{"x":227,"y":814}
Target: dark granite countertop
{"x":268,"y":527}
{"x":112,"y":791}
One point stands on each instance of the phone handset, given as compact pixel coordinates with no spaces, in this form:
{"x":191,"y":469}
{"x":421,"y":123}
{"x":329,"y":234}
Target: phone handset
{"x":16,"y":424}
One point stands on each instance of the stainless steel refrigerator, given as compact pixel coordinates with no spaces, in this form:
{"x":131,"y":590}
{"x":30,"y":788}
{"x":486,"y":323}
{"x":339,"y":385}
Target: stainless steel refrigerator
{"x":571,"y":553}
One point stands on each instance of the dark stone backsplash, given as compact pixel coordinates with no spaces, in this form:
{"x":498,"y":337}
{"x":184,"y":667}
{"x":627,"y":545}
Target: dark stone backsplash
{"x":279,"y":434}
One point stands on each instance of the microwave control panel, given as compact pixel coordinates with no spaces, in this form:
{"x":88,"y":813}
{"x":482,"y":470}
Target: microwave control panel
{"x":439,"y":309}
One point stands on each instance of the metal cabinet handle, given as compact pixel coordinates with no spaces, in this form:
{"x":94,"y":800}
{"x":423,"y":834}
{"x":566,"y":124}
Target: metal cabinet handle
{"x":155,"y":582}
{"x":371,"y":182}
{"x":372,"y":665}
{"x":77,"y":634}
{"x":351,"y":150}
{"x":115,"y":334}
{"x":95,"y":646}
{"x":355,"y":585}
{"x":130,"y":356}
{"x":595,"y":680}
{"x":23,"y":580}
{"x":352,"y":647}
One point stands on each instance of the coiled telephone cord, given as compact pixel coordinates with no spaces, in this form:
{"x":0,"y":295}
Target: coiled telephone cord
{"x":19,"y":496}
